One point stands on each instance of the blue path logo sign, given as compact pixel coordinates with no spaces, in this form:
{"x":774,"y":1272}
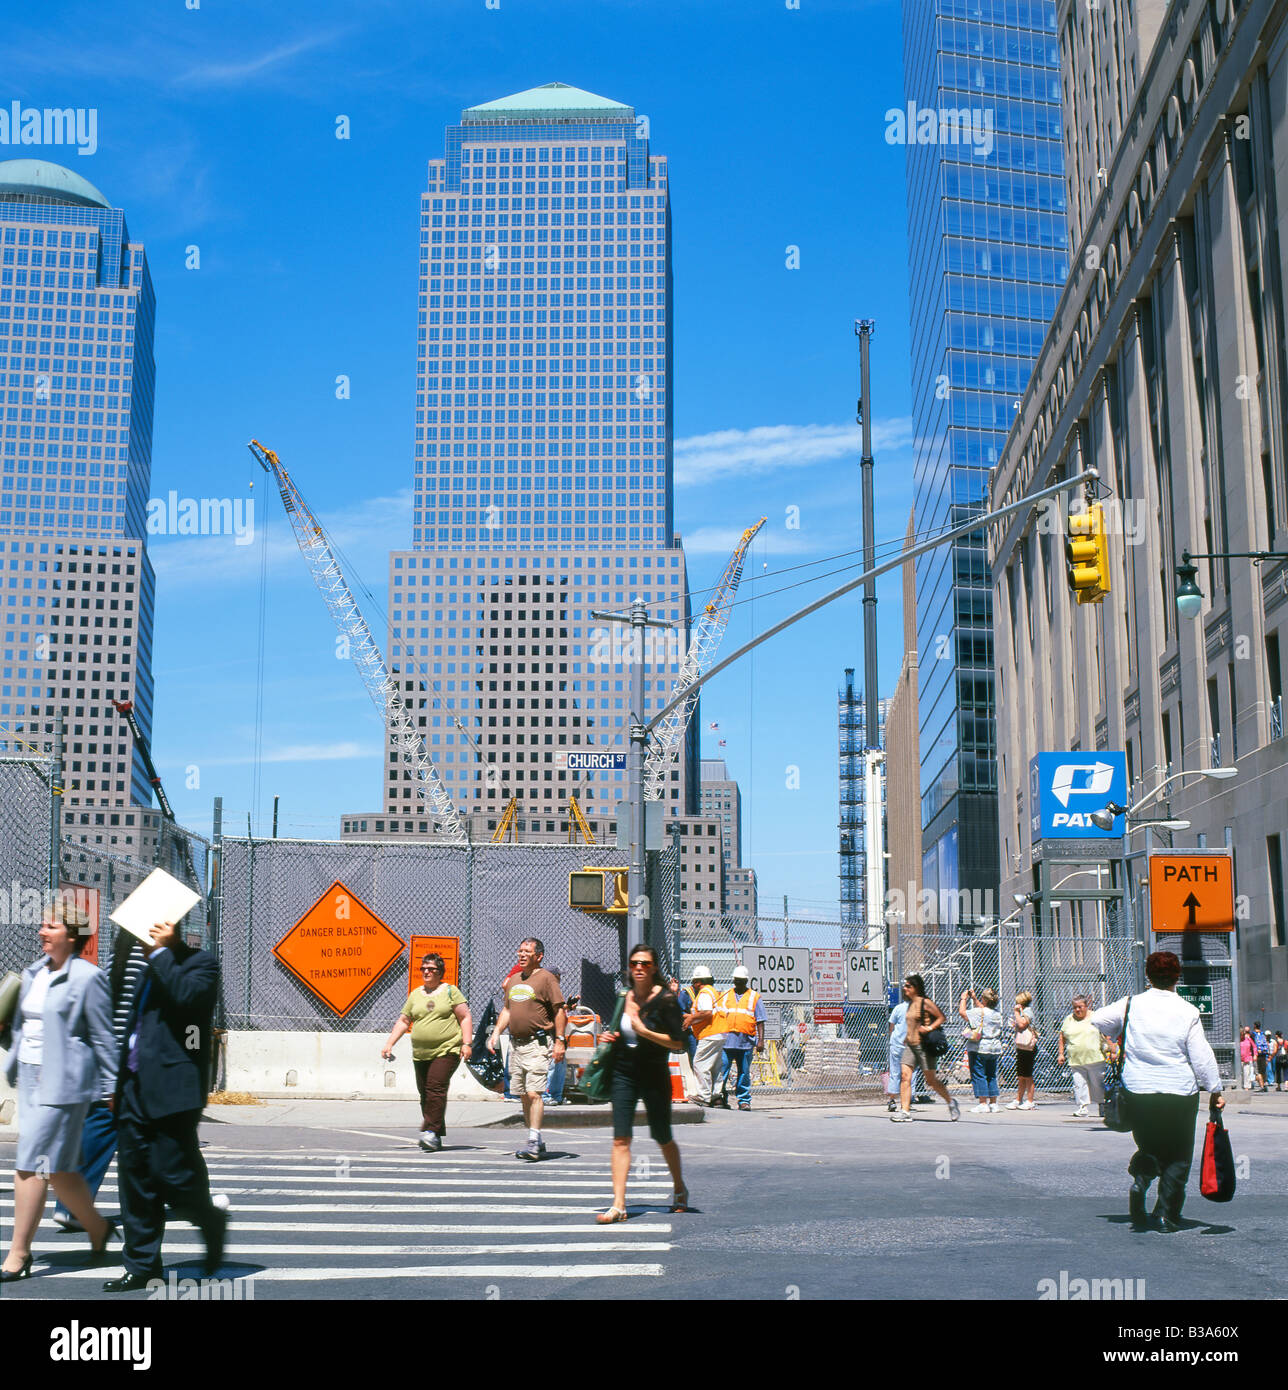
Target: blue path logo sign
{"x":1070,"y":787}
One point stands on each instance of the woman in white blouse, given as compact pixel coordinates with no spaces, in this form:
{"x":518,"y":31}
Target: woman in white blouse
{"x":1166,"y":1061}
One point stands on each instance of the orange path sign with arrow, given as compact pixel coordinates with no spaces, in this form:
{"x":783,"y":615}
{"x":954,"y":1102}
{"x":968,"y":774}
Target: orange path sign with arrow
{"x":1191,"y":890}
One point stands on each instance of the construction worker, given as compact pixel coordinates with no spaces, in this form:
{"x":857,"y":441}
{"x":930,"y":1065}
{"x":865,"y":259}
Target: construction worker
{"x":742,"y":1014}
{"x":710,"y":1049}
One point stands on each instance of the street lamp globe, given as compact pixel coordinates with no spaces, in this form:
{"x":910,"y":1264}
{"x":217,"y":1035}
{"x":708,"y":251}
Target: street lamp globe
{"x":1189,"y":597}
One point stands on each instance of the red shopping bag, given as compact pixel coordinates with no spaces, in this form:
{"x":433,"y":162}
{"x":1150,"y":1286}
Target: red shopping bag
{"x":1216,"y":1180}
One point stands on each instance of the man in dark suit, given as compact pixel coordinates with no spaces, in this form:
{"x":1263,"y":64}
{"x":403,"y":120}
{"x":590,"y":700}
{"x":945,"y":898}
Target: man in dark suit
{"x":161,"y":1092}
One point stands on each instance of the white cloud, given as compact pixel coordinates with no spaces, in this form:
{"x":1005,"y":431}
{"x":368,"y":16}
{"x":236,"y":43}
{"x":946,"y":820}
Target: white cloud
{"x":298,"y":753}
{"x":721,"y":540}
{"x":233,"y":74}
{"x":705,"y":458}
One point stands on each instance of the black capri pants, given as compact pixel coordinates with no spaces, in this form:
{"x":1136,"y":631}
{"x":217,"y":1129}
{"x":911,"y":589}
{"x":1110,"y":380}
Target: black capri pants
{"x":1024,"y":1059}
{"x":632,"y":1084}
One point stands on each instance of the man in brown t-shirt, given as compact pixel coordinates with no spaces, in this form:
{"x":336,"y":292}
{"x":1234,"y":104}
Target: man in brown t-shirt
{"x":535,"y":1015}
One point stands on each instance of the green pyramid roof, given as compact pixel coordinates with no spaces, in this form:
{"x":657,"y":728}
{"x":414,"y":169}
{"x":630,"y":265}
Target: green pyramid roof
{"x":554,"y":101}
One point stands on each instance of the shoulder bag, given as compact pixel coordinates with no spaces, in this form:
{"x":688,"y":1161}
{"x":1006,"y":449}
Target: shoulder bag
{"x":1117,"y":1097}
{"x":1217,"y":1174}
{"x":932,"y":1041}
{"x":597,"y":1079}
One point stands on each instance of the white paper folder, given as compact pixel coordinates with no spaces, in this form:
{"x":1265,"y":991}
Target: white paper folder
{"x":159,"y":898}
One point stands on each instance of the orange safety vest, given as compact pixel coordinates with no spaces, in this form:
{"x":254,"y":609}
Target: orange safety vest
{"x":738,"y":1012}
{"x":716,"y":1025}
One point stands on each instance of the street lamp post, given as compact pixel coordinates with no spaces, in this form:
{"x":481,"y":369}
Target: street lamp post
{"x":1189,"y":597}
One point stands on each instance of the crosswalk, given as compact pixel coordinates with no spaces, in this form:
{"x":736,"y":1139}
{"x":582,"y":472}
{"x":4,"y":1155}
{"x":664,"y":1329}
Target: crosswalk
{"x":396,"y":1214}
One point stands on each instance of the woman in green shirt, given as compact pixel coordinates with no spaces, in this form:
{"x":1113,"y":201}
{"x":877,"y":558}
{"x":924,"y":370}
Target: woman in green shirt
{"x":438,"y":1019}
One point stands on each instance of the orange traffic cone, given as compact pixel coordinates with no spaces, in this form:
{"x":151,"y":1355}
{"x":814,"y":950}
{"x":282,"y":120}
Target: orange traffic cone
{"x":677,"y":1079}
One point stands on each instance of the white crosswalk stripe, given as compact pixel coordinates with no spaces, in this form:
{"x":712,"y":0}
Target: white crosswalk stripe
{"x":328,"y":1218}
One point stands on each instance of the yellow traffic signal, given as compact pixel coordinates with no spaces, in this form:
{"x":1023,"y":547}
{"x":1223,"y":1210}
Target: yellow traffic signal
{"x":1087,"y":554}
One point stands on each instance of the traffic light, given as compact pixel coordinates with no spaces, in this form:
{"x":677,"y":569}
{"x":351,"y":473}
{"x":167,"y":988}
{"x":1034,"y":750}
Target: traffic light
{"x":1087,"y":555}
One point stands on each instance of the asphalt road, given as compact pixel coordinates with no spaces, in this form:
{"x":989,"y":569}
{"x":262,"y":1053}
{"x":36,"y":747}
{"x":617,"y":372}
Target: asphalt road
{"x":333,"y":1201}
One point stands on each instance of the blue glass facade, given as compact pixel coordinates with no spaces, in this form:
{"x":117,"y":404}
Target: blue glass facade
{"x":76,"y":385}
{"x":987,"y":263}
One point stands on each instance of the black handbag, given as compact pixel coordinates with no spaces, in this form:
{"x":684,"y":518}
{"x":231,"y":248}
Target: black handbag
{"x":1217,"y":1174}
{"x":1117,"y":1115}
{"x":933,"y":1043}
{"x":597,"y":1079}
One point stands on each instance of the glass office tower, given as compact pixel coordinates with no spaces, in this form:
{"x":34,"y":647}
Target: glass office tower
{"x":987,"y":262}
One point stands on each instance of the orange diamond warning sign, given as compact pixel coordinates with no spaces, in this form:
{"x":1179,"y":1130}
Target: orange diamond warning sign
{"x":338,"y":949}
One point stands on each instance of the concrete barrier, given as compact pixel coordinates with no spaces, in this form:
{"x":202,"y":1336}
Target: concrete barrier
{"x":281,"y":1065}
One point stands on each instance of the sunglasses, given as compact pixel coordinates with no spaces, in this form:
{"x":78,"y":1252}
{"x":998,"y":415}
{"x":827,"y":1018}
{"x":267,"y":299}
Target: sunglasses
{"x":435,"y":968}
{"x":643,"y":964}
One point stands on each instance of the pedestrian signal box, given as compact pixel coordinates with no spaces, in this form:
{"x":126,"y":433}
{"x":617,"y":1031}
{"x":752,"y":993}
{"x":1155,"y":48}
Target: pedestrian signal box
{"x":599,"y":890}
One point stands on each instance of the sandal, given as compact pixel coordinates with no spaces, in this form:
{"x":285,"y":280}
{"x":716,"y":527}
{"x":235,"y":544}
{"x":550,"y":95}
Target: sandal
{"x":680,"y":1200}
{"x":607,"y":1218}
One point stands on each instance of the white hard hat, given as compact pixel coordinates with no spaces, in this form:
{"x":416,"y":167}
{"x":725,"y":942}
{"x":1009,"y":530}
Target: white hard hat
{"x":701,"y":972}
{"x":742,"y":973}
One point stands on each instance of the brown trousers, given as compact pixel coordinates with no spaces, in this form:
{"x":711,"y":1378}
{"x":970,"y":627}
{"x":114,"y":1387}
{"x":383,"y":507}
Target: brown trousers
{"x":431,"y":1081}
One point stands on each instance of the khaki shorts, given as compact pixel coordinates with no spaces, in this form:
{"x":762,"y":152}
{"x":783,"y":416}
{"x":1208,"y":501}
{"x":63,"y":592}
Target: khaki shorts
{"x":529,"y":1065}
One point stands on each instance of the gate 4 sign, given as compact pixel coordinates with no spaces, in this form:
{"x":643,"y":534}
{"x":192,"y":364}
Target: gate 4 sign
{"x":827,"y":973}
{"x":780,"y":974}
{"x":1191,"y":890}
{"x":864,"y":977}
{"x":338,"y":949}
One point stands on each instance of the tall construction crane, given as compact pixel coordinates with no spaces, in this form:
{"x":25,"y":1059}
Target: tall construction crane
{"x":125,"y":708}
{"x":704,"y":642}
{"x":317,"y":549}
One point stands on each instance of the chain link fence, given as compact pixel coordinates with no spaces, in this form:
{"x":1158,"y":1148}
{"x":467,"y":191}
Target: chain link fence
{"x":26,"y":815}
{"x":490,"y":897}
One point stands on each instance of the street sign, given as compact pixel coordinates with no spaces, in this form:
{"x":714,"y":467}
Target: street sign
{"x":827,"y":975}
{"x":338,"y":949}
{"x":781,"y":974}
{"x":829,"y":1013}
{"x":591,"y":762}
{"x":1191,"y":890}
{"x":1066,"y":788}
{"x":449,"y":947}
{"x":1198,"y":995}
{"x":864,"y":977}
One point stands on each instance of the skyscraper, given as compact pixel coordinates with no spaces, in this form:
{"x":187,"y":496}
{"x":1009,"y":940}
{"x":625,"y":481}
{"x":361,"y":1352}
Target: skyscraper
{"x":987,"y":260}
{"x":76,"y":586}
{"x":543,"y":484}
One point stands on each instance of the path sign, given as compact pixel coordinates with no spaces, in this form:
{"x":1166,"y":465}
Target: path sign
{"x":1198,"y":995}
{"x":780,"y":973}
{"x":449,"y":947}
{"x":338,"y":949}
{"x":827,"y":975}
{"x":864,"y":977}
{"x":1191,"y":890}
{"x":591,"y":762}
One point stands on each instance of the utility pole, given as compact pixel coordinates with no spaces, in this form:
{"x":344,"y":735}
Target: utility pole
{"x":865,"y":328}
{"x":786,"y":938}
{"x":56,"y":809}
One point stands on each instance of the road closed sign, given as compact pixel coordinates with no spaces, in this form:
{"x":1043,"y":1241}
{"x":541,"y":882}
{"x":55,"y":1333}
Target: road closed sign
{"x":1191,"y":890}
{"x":864,"y":978}
{"x":780,"y":973}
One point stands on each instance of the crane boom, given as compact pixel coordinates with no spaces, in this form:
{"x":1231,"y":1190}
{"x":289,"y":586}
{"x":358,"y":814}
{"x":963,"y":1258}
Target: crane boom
{"x":703,"y":645}
{"x":316,"y":548}
{"x":125,"y":708}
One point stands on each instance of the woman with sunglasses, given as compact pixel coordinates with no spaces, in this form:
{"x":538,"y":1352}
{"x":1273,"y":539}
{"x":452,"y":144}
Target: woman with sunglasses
{"x":652,"y":1028}
{"x":442,"y":1031}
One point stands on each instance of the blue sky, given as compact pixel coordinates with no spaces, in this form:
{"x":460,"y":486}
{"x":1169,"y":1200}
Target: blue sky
{"x":216,"y":130}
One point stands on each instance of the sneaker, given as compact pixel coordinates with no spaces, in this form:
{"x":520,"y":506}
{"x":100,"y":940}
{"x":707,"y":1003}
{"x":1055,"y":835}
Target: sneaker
{"x":992,"y":1107}
{"x":1026,"y":1105}
{"x":892,"y":1105}
{"x":901,"y":1115}
{"x":1013,"y":1105}
{"x":430,"y":1143}
{"x":744,"y":1105}
{"x":981,"y":1109}
{"x":534,"y":1150}
{"x":1080,"y":1111}
{"x":954,"y":1110}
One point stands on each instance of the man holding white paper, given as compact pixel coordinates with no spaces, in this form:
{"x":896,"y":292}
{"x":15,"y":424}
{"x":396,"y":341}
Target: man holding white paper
{"x":161,"y":1091}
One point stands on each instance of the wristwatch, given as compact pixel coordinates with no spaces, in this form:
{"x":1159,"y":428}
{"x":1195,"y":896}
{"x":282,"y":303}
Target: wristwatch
{"x":561,"y":1037}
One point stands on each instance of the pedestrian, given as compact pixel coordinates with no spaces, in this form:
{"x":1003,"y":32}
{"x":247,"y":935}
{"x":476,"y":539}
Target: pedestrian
{"x":1281,"y":1059}
{"x":1026,"y":1051}
{"x":1080,"y":1046}
{"x":558,"y":1077}
{"x":650,"y":1032}
{"x":535,"y":1015}
{"x":1248,"y":1057}
{"x":1263,"y":1054}
{"x":442,"y":1032}
{"x":923,"y":1017}
{"x":98,"y":1137}
{"x":710,"y":1049}
{"x":161,"y":1090}
{"x":686,"y":994}
{"x":1166,"y":1060}
{"x":983,"y":1046}
{"x":744,"y":1024}
{"x":507,"y":1046}
{"x":63,"y":1059}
